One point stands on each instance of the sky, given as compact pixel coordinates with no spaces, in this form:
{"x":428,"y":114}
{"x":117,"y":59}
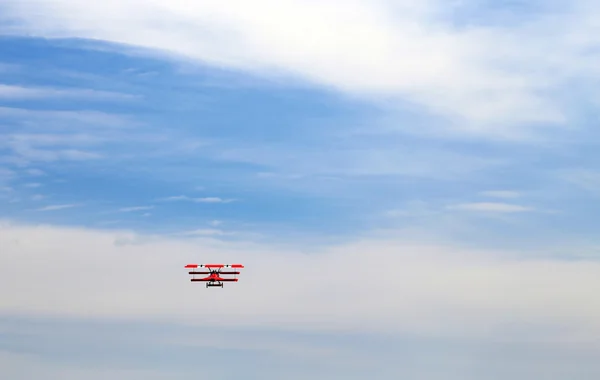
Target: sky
{"x":412,"y":187}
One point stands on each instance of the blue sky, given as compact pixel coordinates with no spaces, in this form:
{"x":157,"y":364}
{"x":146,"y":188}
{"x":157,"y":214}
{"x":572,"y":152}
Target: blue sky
{"x":172,"y":146}
{"x":288,"y":158}
{"x":458,"y":143}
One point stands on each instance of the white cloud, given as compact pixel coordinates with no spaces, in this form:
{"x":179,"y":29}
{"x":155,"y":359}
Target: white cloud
{"x":175,"y":198}
{"x":50,"y":136}
{"x":51,"y":147}
{"x":490,"y":207}
{"x":196,"y":200}
{"x":35,"y":172}
{"x":68,"y":120}
{"x":489,"y":79}
{"x":20,"y":92}
{"x":56,"y":207}
{"x":58,"y":139}
{"x":205,"y":232}
{"x":136,"y":208}
{"x":392,"y":159}
{"x":415,"y":208}
{"x":213,"y":200}
{"x":501,"y":194}
{"x":371,"y":285}
{"x":586,"y":179}
{"x":279,"y":175}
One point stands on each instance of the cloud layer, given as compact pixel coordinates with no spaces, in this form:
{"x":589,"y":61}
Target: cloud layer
{"x":378,"y":286}
{"x":491,"y":77}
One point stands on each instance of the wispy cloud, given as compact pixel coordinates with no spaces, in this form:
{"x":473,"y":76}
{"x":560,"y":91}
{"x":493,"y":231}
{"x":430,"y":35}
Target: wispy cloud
{"x":20,"y":92}
{"x":52,"y":147}
{"x":35,"y":172}
{"x":501,"y":194}
{"x":56,"y":207}
{"x":184,"y":198}
{"x":136,"y":208}
{"x":53,"y":136}
{"x":6,"y":175}
{"x":490,"y":207}
{"x":357,"y":158}
{"x":205,"y":232}
{"x":213,"y":200}
{"x":586,"y":179}
{"x":67,"y":120}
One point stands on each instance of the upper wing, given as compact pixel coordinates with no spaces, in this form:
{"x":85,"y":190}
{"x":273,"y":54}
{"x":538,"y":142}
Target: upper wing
{"x":214,"y":266}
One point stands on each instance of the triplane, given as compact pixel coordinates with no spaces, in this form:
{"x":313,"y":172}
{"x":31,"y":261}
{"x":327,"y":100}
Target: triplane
{"x":215,"y":271}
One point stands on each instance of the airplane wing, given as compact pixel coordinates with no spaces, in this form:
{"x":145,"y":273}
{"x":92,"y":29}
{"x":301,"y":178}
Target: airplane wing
{"x":214,"y":266}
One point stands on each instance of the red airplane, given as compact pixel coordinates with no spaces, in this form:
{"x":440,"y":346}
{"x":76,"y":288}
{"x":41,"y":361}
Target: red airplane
{"x":214,"y":275}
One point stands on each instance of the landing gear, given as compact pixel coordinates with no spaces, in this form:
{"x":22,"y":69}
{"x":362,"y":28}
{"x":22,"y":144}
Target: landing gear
{"x":212,"y":285}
